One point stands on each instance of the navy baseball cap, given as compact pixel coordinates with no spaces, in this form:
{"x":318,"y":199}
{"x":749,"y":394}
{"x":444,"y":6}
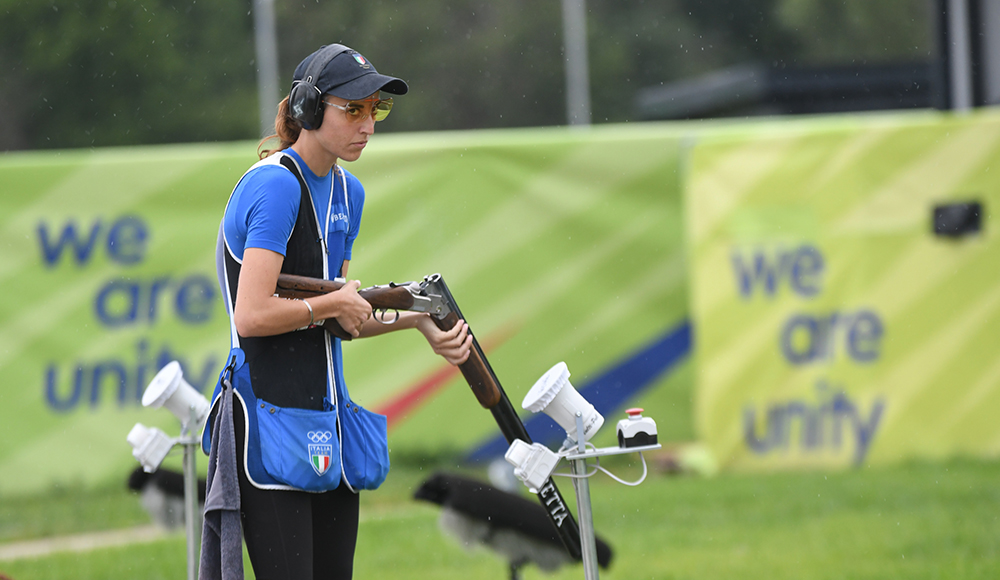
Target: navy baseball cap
{"x":351,"y":76}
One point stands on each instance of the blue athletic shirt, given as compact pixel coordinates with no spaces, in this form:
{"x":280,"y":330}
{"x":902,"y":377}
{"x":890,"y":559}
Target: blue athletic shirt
{"x":265,"y":203}
{"x":263,"y":208}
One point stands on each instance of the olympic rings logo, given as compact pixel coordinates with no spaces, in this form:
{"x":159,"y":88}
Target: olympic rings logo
{"x":319,"y":436}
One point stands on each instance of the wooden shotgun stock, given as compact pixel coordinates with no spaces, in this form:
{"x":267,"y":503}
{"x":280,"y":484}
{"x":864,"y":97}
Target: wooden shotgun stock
{"x":432,"y":296}
{"x":396,"y":297}
{"x":388,"y":297}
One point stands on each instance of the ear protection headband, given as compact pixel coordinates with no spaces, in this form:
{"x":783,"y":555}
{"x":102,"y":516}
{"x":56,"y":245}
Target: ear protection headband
{"x":305,"y":101}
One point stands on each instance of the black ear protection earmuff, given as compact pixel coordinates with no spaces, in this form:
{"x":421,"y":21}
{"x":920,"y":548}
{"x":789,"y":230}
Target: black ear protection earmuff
{"x":305,"y":101}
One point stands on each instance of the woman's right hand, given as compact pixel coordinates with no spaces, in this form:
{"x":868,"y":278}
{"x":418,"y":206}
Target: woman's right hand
{"x":353,"y":310}
{"x":259,"y":312}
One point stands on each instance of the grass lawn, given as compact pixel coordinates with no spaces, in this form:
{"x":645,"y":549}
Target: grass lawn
{"x":911,"y":521}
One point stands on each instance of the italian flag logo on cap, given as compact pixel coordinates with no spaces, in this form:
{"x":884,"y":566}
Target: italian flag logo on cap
{"x":361,"y":60}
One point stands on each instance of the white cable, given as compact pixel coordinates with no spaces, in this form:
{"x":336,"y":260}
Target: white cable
{"x":630,"y":483}
{"x":578,"y":475}
{"x":563,"y":452}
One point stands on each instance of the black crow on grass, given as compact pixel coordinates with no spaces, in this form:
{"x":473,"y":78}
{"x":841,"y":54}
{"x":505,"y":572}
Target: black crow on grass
{"x":162,"y":495}
{"x":514,"y":527}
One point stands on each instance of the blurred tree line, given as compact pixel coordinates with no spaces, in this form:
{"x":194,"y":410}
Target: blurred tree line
{"x":84,"y":73}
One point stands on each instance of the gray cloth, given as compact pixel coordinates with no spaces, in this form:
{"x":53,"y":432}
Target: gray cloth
{"x":222,"y":538}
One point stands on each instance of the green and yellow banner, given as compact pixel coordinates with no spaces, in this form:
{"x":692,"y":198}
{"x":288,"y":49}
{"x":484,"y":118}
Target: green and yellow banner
{"x":559,"y":245}
{"x":833,"y":326}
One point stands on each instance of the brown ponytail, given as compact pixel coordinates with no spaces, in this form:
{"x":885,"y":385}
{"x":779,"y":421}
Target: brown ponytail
{"x":287,"y":131}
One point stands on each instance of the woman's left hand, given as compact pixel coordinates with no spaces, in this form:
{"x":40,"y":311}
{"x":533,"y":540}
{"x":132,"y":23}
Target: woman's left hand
{"x":454,"y":345}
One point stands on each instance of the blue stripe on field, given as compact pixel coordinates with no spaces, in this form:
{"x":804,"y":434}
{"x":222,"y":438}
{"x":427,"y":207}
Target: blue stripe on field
{"x":607,"y":392}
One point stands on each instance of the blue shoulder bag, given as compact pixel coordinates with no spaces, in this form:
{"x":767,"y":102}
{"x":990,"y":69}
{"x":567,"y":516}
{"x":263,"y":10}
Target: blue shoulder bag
{"x":307,"y":449}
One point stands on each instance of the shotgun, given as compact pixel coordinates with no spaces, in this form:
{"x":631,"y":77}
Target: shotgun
{"x":431,"y":295}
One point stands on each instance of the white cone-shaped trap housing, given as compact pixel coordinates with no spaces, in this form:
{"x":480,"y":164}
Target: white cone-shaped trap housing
{"x":169,"y":389}
{"x":555,"y":396}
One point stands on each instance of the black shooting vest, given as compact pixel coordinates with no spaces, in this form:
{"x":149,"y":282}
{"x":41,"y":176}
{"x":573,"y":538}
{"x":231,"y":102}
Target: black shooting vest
{"x":290,"y":370}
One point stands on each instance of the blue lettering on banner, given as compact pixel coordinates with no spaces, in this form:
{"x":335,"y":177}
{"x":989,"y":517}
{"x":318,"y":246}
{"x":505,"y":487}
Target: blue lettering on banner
{"x":127,"y":240}
{"x":81,"y":249}
{"x":802,"y":267}
{"x":125,"y":243}
{"x":128,"y":378}
{"x":194,"y":299}
{"x":117,"y":303}
{"x":113,"y":369}
{"x":808,"y":338}
{"x":124,"y":302}
{"x":820,"y":425}
{"x":66,"y":402}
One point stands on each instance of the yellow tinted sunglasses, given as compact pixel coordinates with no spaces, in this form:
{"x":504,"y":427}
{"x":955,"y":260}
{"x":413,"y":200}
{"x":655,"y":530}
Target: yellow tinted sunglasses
{"x":358,"y":111}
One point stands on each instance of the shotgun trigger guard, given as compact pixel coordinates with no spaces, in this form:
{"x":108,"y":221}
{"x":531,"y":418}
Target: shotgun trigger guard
{"x":380,"y":317}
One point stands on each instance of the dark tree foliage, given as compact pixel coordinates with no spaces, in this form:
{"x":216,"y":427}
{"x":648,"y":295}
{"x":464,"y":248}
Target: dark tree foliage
{"x":642,"y":43}
{"x":470,"y":64}
{"x":751,"y":30}
{"x":80,"y":73}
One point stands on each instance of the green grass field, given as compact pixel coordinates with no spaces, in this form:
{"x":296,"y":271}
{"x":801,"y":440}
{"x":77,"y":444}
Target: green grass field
{"x":912,"y":521}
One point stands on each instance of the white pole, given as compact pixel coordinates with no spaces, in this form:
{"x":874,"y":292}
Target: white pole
{"x":959,"y":55}
{"x":577,"y":69}
{"x":266,"y":45}
{"x":588,"y":537}
{"x":192,"y":517}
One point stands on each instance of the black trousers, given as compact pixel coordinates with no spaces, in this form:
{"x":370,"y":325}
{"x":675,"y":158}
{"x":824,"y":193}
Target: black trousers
{"x":296,"y":535}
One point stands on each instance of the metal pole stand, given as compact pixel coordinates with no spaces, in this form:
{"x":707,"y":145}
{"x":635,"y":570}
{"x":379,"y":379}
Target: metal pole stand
{"x":584,"y":512}
{"x":192,"y":518}
{"x":578,"y":465}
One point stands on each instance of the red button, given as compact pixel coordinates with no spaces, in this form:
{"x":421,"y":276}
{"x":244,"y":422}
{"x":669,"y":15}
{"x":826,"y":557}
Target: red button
{"x":634,"y":411}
